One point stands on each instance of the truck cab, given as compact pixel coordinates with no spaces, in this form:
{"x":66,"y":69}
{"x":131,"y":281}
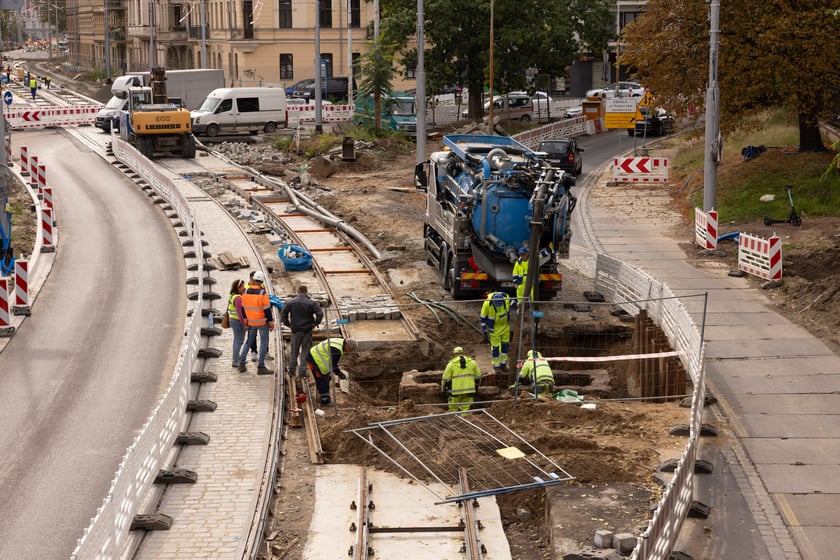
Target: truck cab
{"x":398,"y":113}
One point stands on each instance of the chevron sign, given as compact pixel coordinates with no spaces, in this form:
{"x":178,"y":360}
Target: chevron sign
{"x":31,"y":116}
{"x":640,"y":170}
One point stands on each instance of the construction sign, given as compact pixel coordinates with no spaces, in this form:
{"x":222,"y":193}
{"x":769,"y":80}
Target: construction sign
{"x":640,"y":170}
{"x":647,"y":100}
{"x":622,"y":112}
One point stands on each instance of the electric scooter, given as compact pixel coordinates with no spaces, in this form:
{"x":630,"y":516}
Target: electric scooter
{"x":793,"y":219}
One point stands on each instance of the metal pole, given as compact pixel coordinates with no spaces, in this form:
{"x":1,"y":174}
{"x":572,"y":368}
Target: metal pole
{"x":49,"y":34}
{"x":203,"y":11}
{"x":349,"y":52}
{"x":713,"y":140}
{"x":319,"y":127}
{"x":492,"y":40}
{"x":420,"y":100}
{"x":151,"y":35}
{"x":107,"y":46}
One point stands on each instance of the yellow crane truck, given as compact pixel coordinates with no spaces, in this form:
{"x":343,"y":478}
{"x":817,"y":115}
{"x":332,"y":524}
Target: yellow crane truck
{"x":155,"y":126}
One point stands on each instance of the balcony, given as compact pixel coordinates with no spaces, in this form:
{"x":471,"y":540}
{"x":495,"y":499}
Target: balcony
{"x":174,"y":34}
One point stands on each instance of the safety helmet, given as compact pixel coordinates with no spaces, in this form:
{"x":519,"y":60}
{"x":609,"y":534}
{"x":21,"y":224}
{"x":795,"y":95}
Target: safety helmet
{"x":522,"y":251}
{"x":457,"y":350}
{"x":498,"y":299}
{"x":531,"y":354}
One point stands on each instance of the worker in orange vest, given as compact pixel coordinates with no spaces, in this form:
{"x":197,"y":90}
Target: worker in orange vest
{"x":260,"y":321}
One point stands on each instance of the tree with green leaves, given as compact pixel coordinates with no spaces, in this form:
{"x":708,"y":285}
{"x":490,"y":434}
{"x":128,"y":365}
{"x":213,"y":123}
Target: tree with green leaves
{"x":376,"y":73}
{"x":772,"y":53}
{"x":529,"y":34}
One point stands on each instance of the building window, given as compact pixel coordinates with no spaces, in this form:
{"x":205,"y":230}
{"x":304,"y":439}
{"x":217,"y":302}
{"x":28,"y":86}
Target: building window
{"x":325,"y":14}
{"x":327,"y":62}
{"x":287,"y":70}
{"x":355,"y":13}
{"x":411,"y":72}
{"x":285,"y":10}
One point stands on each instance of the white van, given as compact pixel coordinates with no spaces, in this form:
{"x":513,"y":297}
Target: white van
{"x":246,"y":109}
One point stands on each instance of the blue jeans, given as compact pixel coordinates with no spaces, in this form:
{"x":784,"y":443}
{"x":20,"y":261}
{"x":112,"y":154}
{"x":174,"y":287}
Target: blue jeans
{"x":238,"y":338}
{"x":252,"y":336}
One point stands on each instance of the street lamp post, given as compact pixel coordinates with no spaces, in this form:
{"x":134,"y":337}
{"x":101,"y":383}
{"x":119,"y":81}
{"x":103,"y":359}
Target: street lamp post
{"x":107,"y":46}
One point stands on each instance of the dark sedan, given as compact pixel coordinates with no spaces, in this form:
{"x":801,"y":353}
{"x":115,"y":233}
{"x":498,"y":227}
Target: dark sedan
{"x":563,"y":153}
{"x":656,"y":123}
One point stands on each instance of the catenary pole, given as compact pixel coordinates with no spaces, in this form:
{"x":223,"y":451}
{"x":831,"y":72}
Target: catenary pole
{"x":420,"y":100}
{"x":713,"y":140}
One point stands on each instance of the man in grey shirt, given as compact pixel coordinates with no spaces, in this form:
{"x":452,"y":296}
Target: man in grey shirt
{"x":301,"y":315}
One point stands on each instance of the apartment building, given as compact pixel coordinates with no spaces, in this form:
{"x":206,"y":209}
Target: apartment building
{"x":255,"y":42}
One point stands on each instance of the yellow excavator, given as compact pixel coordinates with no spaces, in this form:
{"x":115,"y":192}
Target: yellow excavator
{"x":155,"y":126}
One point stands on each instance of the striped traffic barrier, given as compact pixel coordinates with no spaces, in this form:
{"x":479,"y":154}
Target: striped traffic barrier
{"x":47,"y":244}
{"x":33,"y":171}
{"x":6,"y":328}
{"x":48,"y":198}
{"x":706,"y":228}
{"x":21,"y":306}
{"x":8,"y":145}
{"x":41,"y":180}
{"x":24,"y":161}
{"x":760,"y":257}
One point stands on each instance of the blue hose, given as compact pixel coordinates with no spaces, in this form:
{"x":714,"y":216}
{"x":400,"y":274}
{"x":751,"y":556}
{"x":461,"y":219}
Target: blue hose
{"x":733,"y":235}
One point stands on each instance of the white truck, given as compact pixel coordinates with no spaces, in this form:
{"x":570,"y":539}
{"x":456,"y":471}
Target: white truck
{"x":187,"y":88}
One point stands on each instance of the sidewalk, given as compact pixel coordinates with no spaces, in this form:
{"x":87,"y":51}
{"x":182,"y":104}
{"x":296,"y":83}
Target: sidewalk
{"x":775,"y":489}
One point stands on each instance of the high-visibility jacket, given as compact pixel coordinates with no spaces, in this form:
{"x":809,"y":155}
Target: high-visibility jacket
{"x":463,"y":373}
{"x":32,"y":83}
{"x":538,"y":366}
{"x":233,"y":314}
{"x":493,"y":317}
{"x":257,"y":307}
{"x":520,"y":277}
{"x":327,"y":353}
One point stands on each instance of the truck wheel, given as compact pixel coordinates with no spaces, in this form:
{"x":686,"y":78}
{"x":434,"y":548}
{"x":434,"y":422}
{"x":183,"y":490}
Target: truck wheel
{"x":526,"y":118}
{"x":146,"y":146}
{"x":188,"y":147}
{"x":213,"y":130}
{"x":270,"y":128}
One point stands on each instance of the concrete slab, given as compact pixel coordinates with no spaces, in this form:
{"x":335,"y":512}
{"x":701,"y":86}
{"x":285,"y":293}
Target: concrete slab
{"x":816,"y":543}
{"x":819,"y":510}
{"x":790,"y":426}
{"x":780,"y":347}
{"x":792,"y":384}
{"x":824,"y":451}
{"x":774,"y":404}
{"x":756,"y":332}
{"x":397,"y":502}
{"x":800,"y":479}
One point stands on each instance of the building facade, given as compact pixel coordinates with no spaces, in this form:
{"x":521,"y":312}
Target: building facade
{"x":255,"y":42}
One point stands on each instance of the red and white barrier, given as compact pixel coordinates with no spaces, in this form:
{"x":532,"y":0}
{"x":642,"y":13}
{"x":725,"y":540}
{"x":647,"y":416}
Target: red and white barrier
{"x":47,"y":244}
{"x":48,"y":198}
{"x":760,"y":257}
{"x":29,"y":117}
{"x":7,"y":143}
{"x":329,"y":113}
{"x":33,"y":171}
{"x":6,"y":328}
{"x":24,"y":161}
{"x":706,"y":228}
{"x":640,"y":170}
{"x":21,"y":306}
{"x":42,"y":180}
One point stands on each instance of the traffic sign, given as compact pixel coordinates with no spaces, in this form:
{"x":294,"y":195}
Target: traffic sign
{"x":647,"y":100}
{"x":621,"y":105}
{"x":7,"y":97}
{"x":623,"y":120}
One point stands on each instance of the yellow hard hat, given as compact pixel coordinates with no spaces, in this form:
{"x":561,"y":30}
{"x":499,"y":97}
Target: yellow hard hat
{"x":457,"y":350}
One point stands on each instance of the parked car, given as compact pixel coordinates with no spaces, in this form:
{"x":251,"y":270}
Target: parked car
{"x":563,"y":153}
{"x":540,"y":99}
{"x":625,"y":89}
{"x":656,"y":123}
{"x":513,"y":107}
{"x":572,"y":112}
{"x":301,"y":85}
{"x":335,"y":89}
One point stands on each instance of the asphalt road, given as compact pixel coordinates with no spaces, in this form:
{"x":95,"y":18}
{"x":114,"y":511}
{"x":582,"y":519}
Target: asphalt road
{"x":82,"y":374}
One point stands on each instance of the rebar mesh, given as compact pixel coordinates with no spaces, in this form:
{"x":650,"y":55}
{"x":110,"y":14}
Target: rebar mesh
{"x":434,"y":448}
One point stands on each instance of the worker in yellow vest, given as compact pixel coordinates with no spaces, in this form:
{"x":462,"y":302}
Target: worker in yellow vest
{"x":33,"y":86}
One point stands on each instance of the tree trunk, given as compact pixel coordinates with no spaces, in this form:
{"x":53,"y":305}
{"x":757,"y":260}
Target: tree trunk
{"x":810,"y":138}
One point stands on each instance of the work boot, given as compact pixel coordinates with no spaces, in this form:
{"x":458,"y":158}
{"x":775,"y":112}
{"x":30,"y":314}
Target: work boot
{"x":503,"y":367}
{"x":242,"y":367}
{"x":262,"y":370}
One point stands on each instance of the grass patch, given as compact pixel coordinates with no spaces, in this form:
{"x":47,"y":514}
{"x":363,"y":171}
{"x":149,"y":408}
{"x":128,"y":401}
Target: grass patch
{"x":742,"y":183}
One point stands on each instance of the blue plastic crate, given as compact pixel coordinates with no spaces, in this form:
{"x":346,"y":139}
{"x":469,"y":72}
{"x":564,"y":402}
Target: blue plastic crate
{"x":295,"y":258}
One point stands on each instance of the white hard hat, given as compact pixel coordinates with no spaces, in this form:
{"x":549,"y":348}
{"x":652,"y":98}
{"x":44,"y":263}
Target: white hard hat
{"x":259,"y":276}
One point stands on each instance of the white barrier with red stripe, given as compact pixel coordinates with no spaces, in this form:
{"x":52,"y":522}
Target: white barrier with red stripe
{"x":47,"y":245}
{"x":760,"y":257}
{"x":20,"y":118}
{"x":48,"y":198}
{"x":42,"y":180}
{"x":21,"y":306}
{"x":640,"y":170}
{"x":706,"y":228}
{"x":33,"y":170}
{"x":329,"y":113}
{"x":24,"y":161}
{"x":6,"y":328}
